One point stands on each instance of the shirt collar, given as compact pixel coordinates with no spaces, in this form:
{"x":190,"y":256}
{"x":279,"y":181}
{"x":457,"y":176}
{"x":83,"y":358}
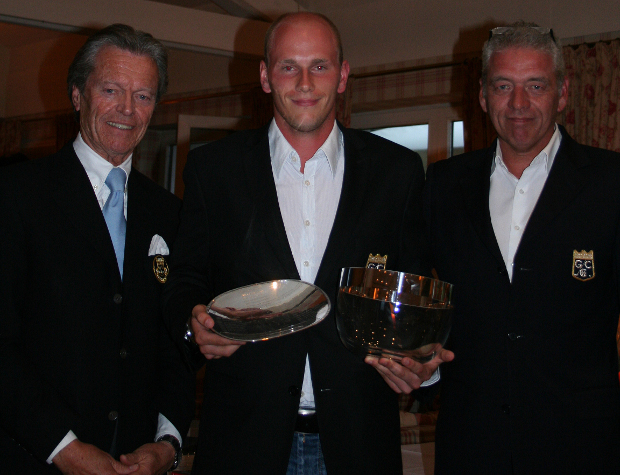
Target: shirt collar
{"x":281,"y":150}
{"x":547,"y":154}
{"x":97,"y":168}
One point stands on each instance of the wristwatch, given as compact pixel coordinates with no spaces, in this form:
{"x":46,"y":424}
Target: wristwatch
{"x":172,"y":440}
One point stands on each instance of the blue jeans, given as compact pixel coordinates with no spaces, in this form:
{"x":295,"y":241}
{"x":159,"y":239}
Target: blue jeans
{"x":306,"y":456}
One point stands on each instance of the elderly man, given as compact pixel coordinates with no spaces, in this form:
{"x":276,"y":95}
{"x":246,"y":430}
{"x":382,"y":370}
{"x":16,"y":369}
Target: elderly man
{"x":88,"y":369}
{"x":529,"y":232}
{"x":299,"y":199}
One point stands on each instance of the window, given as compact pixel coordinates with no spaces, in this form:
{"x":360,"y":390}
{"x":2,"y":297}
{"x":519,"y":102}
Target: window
{"x":413,"y":137}
{"x":438,"y":118}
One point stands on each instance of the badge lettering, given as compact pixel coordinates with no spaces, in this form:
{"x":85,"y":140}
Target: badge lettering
{"x":583,"y":265}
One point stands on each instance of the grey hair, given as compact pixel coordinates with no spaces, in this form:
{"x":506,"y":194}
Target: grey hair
{"x":523,"y":35}
{"x":125,"y":38}
{"x":287,"y":16}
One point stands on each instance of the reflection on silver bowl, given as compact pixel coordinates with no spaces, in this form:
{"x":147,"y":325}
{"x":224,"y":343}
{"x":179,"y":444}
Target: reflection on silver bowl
{"x":393,"y":314}
{"x":268,"y":310}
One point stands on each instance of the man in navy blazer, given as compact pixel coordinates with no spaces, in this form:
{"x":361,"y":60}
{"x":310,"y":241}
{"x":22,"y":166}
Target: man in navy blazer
{"x":529,"y":233}
{"x":89,"y":371}
{"x":299,"y":199}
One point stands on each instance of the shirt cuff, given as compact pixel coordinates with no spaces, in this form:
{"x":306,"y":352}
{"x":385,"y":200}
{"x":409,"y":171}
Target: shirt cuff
{"x":165,"y":427}
{"x":435,"y":377}
{"x":70,"y":437}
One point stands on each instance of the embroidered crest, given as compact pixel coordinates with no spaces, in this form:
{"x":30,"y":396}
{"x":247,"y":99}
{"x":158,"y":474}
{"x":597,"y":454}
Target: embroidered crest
{"x":376,"y":262}
{"x":583,"y":265}
{"x":160,"y":269}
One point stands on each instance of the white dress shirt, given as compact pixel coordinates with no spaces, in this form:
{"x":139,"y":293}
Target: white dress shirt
{"x":512,"y":199}
{"x":97,"y":168}
{"x":308,"y":203}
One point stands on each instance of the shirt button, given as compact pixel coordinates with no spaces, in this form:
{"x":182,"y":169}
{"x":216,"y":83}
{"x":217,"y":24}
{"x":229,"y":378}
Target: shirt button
{"x":307,"y":182}
{"x":517,"y":228}
{"x":294,"y":159}
{"x":113,"y":415}
{"x":118,"y":298}
{"x":521,"y":191}
{"x":307,"y":222}
{"x":306,"y":263}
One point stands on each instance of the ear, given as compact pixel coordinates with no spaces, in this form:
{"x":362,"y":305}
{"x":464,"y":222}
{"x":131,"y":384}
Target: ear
{"x":264,"y":79}
{"x":563,"y":96}
{"x":481,"y":98}
{"x":344,"y":76}
{"x":75,"y":98}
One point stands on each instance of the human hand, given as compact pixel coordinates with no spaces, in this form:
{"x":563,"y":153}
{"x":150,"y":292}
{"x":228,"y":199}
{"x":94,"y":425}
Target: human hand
{"x":78,"y":458}
{"x":211,"y":345}
{"x":152,"y":459}
{"x":408,"y":374}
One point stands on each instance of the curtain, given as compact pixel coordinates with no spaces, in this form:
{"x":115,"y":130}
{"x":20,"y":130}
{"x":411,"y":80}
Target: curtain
{"x":591,"y":115}
{"x":477,"y":127}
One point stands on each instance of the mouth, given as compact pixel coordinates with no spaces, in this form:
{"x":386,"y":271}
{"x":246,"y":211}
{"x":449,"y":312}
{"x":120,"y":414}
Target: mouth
{"x":120,"y":126}
{"x":305,"y":102}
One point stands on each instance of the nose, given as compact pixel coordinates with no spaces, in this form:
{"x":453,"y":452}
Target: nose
{"x":125,"y":104}
{"x":519,"y":99}
{"x":305,"y":83}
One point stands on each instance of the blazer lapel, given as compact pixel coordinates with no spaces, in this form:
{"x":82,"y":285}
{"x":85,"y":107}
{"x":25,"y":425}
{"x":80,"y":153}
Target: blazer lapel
{"x":139,"y":214}
{"x":475,"y":185}
{"x":75,"y":197}
{"x":355,"y":181}
{"x":259,"y":176}
{"x":567,"y":177}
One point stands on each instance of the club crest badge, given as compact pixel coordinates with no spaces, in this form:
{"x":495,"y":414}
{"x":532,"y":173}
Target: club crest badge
{"x":583,"y":265}
{"x":160,"y":269}
{"x":376,"y":262}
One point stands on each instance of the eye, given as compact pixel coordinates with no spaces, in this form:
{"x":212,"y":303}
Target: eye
{"x":144,"y":97}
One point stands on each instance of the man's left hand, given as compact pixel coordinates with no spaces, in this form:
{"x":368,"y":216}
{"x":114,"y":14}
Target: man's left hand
{"x":154,"y":459}
{"x":407,"y":375}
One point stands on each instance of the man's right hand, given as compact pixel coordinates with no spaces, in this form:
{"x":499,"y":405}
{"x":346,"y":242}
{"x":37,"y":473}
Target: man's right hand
{"x":79,"y":458}
{"x":211,"y":345}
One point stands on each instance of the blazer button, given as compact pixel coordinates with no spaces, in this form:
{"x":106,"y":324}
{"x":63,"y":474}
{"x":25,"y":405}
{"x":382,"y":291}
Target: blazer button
{"x":506,"y":409}
{"x":113,"y":415}
{"x":293,"y":390}
{"x":502,"y":271}
{"x":123,"y":353}
{"x":118,"y":298}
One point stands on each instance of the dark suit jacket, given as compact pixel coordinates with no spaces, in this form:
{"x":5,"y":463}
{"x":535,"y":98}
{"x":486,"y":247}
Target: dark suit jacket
{"x":232,"y":234}
{"x":79,"y":349}
{"x":533,"y":387}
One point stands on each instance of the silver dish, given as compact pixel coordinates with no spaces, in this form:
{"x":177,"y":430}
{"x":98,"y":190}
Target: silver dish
{"x":268,"y":310}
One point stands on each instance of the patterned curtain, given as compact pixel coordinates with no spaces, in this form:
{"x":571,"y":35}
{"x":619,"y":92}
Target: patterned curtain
{"x":477,"y":127}
{"x":591,"y":116}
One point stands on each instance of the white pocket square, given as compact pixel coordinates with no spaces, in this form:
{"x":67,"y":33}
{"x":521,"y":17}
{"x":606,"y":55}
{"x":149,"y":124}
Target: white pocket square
{"x":158,"y":246}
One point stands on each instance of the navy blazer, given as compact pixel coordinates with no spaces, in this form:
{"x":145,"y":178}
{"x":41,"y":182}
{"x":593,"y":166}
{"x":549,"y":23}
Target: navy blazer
{"x":80,"y":349}
{"x":232,"y":234}
{"x":534,"y":384}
